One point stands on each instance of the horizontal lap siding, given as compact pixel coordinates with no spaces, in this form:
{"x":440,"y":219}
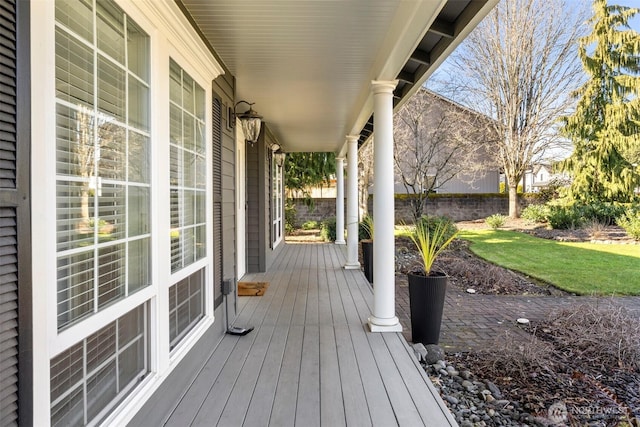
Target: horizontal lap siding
{"x":8,"y":226}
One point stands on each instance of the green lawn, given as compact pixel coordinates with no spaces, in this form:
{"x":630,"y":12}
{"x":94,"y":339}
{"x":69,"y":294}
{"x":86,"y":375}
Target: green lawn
{"x":583,"y":268}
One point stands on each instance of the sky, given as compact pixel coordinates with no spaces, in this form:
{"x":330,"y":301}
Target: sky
{"x":635,"y":23}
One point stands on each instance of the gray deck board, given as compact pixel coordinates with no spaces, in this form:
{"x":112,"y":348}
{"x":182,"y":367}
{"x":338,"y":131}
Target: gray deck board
{"x":308,"y":407}
{"x":284,"y":405}
{"x":310,"y":360}
{"x":238,"y":404}
{"x":331,"y":399}
{"x":259,"y":410}
{"x":356,"y":410}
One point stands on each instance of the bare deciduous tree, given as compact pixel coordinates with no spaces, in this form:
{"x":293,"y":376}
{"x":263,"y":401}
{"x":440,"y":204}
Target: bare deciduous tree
{"x":365,"y":179}
{"x":520,"y":66}
{"x":435,"y":141}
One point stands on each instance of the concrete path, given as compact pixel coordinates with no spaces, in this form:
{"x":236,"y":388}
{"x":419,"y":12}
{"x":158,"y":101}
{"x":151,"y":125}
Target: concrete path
{"x":478,"y":321}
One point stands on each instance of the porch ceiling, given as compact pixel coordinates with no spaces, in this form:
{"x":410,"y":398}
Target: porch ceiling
{"x":308,"y":64}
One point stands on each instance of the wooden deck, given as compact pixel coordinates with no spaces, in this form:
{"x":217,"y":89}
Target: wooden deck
{"x":310,"y":360}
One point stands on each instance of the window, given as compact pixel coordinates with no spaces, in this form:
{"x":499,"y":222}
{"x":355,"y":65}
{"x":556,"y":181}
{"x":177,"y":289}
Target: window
{"x":111,"y":210}
{"x":89,"y":378}
{"x":103,"y":201}
{"x":102,"y":160}
{"x":188,"y":169}
{"x":276,"y":194}
{"x":188,"y":200}
{"x":186,"y":306}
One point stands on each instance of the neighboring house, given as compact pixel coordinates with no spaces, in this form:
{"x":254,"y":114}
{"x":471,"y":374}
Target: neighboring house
{"x":447,"y":140}
{"x":540,"y":176}
{"x":130,"y":202}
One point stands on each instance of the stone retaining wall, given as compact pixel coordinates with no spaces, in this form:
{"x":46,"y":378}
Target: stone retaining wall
{"x":321,"y":210}
{"x":458,"y":207}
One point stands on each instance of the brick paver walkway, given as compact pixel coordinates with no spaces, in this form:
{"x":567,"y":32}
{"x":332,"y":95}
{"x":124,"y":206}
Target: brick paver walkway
{"x":477,"y":321}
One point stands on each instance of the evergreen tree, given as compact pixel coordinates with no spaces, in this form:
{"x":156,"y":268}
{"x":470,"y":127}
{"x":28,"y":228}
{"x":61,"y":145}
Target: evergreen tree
{"x":304,"y":170}
{"x":605,"y":127}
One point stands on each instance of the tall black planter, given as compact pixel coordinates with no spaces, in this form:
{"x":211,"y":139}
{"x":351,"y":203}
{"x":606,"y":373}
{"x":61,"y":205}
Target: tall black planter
{"x":426,"y":300}
{"x":367,"y":259}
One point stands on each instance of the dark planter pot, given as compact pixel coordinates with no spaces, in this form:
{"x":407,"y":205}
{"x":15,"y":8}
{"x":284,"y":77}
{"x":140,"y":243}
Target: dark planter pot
{"x":367,"y":259}
{"x":426,"y":301}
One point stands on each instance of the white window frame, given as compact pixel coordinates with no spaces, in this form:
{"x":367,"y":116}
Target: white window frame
{"x":277,"y":214}
{"x":125,"y":183}
{"x":171,"y":35}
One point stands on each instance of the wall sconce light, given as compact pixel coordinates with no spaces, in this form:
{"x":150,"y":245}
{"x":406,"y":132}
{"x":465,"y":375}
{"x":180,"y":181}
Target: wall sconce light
{"x":279,"y":157}
{"x":250,"y":121}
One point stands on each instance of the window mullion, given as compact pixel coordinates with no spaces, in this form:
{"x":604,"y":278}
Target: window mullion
{"x":96,"y":203}
{"x":84,"y":381}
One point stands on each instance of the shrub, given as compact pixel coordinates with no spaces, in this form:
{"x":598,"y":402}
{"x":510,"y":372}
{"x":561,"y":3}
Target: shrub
{"x":310,"y":225}
{"x":564,"y":217}
{"x":290,"y":215}
{"x":535,"y":213}
{"x":496,"y":221}
{"x":602,"y":212}
{"x":328,"y":230}
{"x":556,"y":188}
{"x":630,"y":221}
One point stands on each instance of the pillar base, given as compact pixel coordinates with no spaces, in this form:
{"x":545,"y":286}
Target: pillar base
{"x":354,"y":266}
{"x":384,"y":325}
{"x":340,"y":242}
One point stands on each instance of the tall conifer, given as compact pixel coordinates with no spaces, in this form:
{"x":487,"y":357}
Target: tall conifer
{"x":605,"y":127}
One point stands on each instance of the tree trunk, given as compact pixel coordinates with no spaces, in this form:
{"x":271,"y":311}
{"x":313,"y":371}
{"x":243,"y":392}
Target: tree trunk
{"x":514,"y":211}
{"x":417,"y":205}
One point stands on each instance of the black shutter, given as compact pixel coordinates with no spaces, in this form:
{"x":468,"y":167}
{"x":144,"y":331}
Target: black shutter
{"x":216,"y":141}
{"x":8,"y":317}
{"x":8,"y":226}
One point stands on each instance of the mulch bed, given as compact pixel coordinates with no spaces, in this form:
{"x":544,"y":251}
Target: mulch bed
{"x":467,"y":271}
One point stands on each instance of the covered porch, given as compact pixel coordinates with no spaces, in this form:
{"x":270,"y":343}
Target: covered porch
{"x":311,"y":359}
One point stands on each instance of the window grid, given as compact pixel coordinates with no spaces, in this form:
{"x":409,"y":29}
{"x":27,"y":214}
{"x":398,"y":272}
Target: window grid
{"x":187,"y":170}
{"x":186,"y":306}
{"x":79,"y":393}
{"x":103,"y":157}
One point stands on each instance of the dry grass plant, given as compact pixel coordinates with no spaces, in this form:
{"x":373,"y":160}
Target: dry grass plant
{"x":595,"y":229}
{"x":601,"y":335}
{"x":512,"y":358}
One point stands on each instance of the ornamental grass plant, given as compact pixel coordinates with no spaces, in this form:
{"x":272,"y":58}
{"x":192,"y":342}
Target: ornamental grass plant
{"x":431,"y":239}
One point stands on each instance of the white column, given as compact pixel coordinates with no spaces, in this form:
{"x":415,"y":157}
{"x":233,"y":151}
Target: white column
{"x":383,"y":318}
{"x":340,"y":201}
{"x":352,"y":203}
